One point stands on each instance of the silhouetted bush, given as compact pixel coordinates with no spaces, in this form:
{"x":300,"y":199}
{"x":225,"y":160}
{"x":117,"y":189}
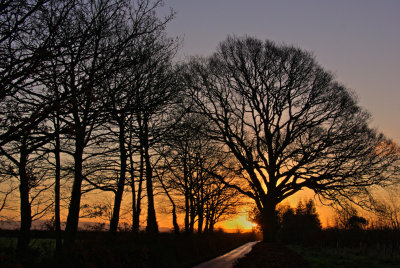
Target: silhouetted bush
{"x":356,"y":222}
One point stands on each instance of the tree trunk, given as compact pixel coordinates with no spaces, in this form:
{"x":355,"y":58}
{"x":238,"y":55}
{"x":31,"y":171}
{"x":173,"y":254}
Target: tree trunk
{"x":137,"y":209}
{"x":269,"y":223}
{"x":211,"y":226}
{"x":133,"y":189}
{"x":121,"y":182}
{"x":74,"y":206}
{"x":192,"y":214}
{"x":206,"y":223}
{"x":174,"y":219}
{"x":187,"y":207}
{"x":200,"y":208}
{"x":207,"y":218}
{"x":57,"y":218}
{"x":152,"y":226}
{"x":25,"y":206}
{"x":200,"y":218}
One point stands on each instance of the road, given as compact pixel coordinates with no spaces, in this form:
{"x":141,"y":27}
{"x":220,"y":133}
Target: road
{"x":227,"y":260}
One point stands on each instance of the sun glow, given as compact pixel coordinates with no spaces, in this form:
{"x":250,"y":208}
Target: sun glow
{"x":238,"y":223}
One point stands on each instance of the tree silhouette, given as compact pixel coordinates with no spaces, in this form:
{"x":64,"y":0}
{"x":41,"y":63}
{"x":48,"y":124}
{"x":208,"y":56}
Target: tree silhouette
{"x":356,"y":222}
{"x":190,"y":160}
{"x":298,"y":225}
{"x":288,"y":123}
{"x":134,"y":90}
{"x":99,"y":35}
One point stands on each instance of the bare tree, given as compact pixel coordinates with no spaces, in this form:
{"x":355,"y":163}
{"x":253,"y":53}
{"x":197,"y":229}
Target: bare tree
{"x":97,"y":34}
{"x":122,"y":89}
{"x":190,"y":161}
{"x":155,"y":100}
{"x":168,"y":192}
{"x":20,"y":154}
{"x":27,"y":45}
{"x":386,"y":208}
{"x":289,"y":125}
{"x":100,"y":39}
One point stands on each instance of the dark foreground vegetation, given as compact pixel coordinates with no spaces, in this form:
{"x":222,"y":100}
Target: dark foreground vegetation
{"x":100,"y":249}
{"x":351,"y":248}
{"x":353,"y":242}
{"x":329,"y":248}
{"x":276,"y":255}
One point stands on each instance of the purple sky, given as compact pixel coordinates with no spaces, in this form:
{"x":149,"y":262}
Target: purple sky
{"x":359,"y":41}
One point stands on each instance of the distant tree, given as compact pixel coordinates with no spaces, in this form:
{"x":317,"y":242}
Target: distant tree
{"x":191,"y":161}
{"x":356,"y":222}
{"x":222,"y":202}
{"x":297,"y":225}
{"x":168,"y":192}
{"x":99,"y":210}
{"x":343,"y":213}
{"x":387,"y":209}
{"x":181,"y":151}
{"x":289,"y":125}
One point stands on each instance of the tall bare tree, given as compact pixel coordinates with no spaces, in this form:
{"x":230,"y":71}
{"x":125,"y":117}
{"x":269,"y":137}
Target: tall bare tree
{"x":123,"y":100}
{"x":288,"y":123}
{"x":20,"y":154}
{"x":26,"y":46}
{"x":155,"y":100}
{"x":97,"y":34}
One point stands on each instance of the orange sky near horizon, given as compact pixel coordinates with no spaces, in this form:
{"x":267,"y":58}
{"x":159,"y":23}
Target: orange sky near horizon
{"x":241,"y":222}
{"x":238,"y":222}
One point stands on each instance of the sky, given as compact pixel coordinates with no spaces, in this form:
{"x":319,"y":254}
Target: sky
{"x":357,"y":40}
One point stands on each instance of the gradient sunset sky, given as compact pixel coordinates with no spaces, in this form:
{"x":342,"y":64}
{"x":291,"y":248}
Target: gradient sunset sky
{"x":359,"y":41}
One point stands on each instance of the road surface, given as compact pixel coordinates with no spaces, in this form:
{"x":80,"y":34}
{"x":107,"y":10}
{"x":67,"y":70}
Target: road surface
{"x":227,"y":260}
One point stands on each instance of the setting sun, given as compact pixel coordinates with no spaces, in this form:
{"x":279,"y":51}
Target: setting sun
{"x":238,"y":223}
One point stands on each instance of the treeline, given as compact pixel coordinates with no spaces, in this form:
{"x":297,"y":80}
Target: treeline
{"x":301,"y":225}
{"x":352,"y":238}
{"x":91,"y":100}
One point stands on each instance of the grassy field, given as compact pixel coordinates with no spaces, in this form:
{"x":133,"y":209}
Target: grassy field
{"x":331,"y":248}
{"x":342,"y":258}
{"x":97,"y":249}
{"x":350,"y":248}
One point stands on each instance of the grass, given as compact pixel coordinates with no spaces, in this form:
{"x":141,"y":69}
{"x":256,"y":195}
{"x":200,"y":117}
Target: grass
{"x":331,"y":248}
{"x":271,"y":255}
{"x":344,"y":257}
{"x":42,"y":245}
